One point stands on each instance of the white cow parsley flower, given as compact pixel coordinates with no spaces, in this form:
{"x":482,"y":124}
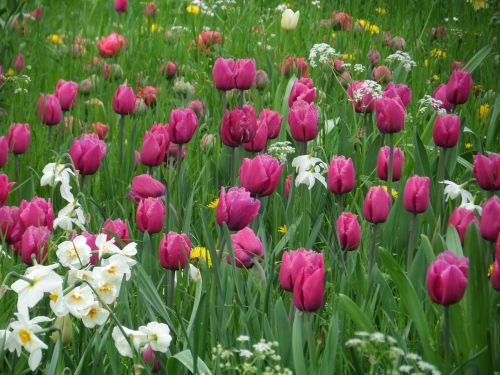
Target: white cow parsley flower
{"x":321,"y":54}
{"x":403,"y":58}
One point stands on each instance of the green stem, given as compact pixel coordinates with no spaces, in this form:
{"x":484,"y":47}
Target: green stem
{"x":303,"y":147}
{"x":16,"y":167}
{"x":171,"y":288}
{"x":15,"y":274}
{"x":366,"y":124}
{"x":411,"y":241}
{"x":233,"y":164}
{"x":241,"y":98}
{"x":373,"y":249}
{"x":441,"y":177}
{"x":224,"y":102}
{"x":179,"y":177}
{"x":310,"y":340}
{"x":391,"y":163}
{"x":121,"y":125}
{"x":447,"y":344}
{"x":262,"y":273}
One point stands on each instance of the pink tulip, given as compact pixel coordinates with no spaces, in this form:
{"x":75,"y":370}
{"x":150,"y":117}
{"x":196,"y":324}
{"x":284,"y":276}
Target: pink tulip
{"x":4,"y":151}
{"x":288,"y":186}
{"x":149,"y":357}
{"x":292,"y":263}
{"x":174,"y":251}
{"x":416,"y":194}
{"x":489,"y":227}
{"x":49,"y":110}
{"x":223,"y":74}
{"x":244,"y":73}
{"x":376,"y":205}
{"x":149,"y":215}
{"x":145,"y":186}
{"x":236,"y":208}
{"x":5,"y":186}
{"x":90,"y":240}
{"x":309,"y":289}
{"x":116,"y":228}
{"x":154,"y":146}
{"x":341,"y":21}
{"x":374,"y":57}
{"x":398,"y":90}
{"x":461,"y":218}
{"x":349,"y":231}
{"x":259,"y":142}
{"x":150,"y":10}
{"x":382,"y":73}
{"x":383,"y":163}
{"x":11,"y":228}
{"x":459,"y":87}
{"x":440,"y":94}
{"x":173,"y":153}
{"x":341,"y":175}
{"x":66,"y":92}
{"x":260,"y":175}
{"x":34,"y":242}
{"x":447,"y":278}
{"x":19,"y":138}
{"x":124,"y":100}
{"x":304,"y":89}
{"x":495,"y":274}
{"x":273,"y":122}
{"x":38,"y":212}
{"x":366,"y":104}
{"x":19,"y":63}
{"x":87,"y":153}
{"x":390,"y":115}
{"x":487,"y":171}
{"x":183,"y":124}
{"x":303,"y":121}
{"x":261,"y":80}
{"x":239,"y":126}
{"x":198,"y":108}
{"x":121,"y":5}
{"x":246,"y":246}
{"x":110,"y":45}
{"x":100,"y":129}
{"x":446,"y":130}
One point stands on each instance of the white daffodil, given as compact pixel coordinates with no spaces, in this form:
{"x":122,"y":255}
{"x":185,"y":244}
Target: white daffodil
{"x":114,"y":267}
{"x":54,"y":173}
{"x":23,"y":335}
{"x":472,"y":207}
{"x":309,"y":170}
{"x":195,"y":273}
{"x":122,"y":344}
{"x":107,"y":288}
{"x":289,"y":19}
{"x":94,"y":315}
{"x":57,"y":303}
{"x":75,"y":253}
{"x":71,"y":214}
{"x":106,"y":246}
{"x":79,"y":300}
{"x":80,"y":274}
{"x":158,"y":336}
{"x":44,"y":280}
{"x":453,"y":191}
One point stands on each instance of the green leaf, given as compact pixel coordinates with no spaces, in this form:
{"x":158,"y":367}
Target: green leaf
{"x":52,"y":365}
{"x":493,"y":126}
{"x":477,"y":59}
{"x":299,"y":360}
{"x":354,"y":313}
{"x":185,"y":359}
{"x":453,"y":241}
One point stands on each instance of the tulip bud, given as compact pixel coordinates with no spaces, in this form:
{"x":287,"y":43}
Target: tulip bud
{"x":438,"y":32}
{"x":150,"y":214}
{"x":244,"y":73}
{"x":169,"y":70}
{"x":223,"y":74}
{"x":112,"y":72}
{"x":261,"y":80}
{"x":341,"y":175}
{"x":446,"y":130}
{"x":390,"y":115}
{"x":292,"y":263}
{"x":4,"y":151}
{"x":398,"y":91}
{"x":349,"y":231}
{"x":236,"y":208}
{"x":246,"y":247}
{"x":121,"y":5}
{"x":376,"y":205}
{"x":447,"y":278}
{"x":124,"y":100}
{"x":303,"y":121}
{"x":495,"y":274}
{"x":374,"y":57}
{"x":487,"y":171}
{"x":398,"y":43}
{"x":289,"y":19}
{"x":416,"y":194}
{"x":260,"y":175}
{"x":459,"y":87}
{"x":341,"y":21}
{"x":382,"y":73}
{"x":383,"y":163}
{"x":85,"y":86}
{"x":37,"y":212}
{"x":457,"y":65}
{"x":288,"y":186}
{"x":174,"y":251}
{"x":207,"y":141}
{"x":19,"y":63}
{"x":66,"y":92}
{"x":145,"y":186}
{"x":149,"y":357}
{"x":461,"y":218}
{"x":238,"y":126}
{"x":140,"y":107}
{"x":183,"y":124}
{"x":5,"y":186}
{"x":19,"y":138}
{"x":440,"y":94}
{"x":11,"y":228}
{"x":197,"y":107}
{"x":303,"y":89}
{"x":345,"y":78}
{"x":309,"y":289}
{"x":150,"y":10}
{"x":173,"y":153}
{"x":100,"y":129}
{"x":49,"y":110}
{"x":489,"y":226}
{"x":116,"y":228}
{"x":34,"y":242}
{"x":110,"y":45}
{"x":273,"y":122}
{"x":86,"y":153}
{"x":155,"y":146}
{"x":64,"y":328}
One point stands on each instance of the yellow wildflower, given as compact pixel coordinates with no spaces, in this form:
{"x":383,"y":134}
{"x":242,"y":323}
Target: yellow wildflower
{"x":214,"y":203}
{"x":394,"y":192}
{"x":193,"y":9}
{"x":435,"y":77}
{"x":155,"y":27}
{"x":478,"y":4}
{"x":438,"y":53}
{"x":381,"y":11}
{"x":333,"y":35}
{"x":10,"y":72}
{"x":200,"y":252}
{"x":348,"y":57}
{"x":374,"y":29}
{"x":468,"y":146}
{"x":426,"y":62}
{"x":283,"y":229}
{"x":55,"y":38}
{"x":363,"y":23}
{"x":483,"y":111}
{"x":490,"y":270}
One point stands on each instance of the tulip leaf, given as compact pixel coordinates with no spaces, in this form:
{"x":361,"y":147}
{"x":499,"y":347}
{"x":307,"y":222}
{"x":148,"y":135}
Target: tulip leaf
{"x":493,"y":126}
{"x":185,"y":359}
{"x":299,"y":360}
{"x":453,"y":241}
{"x":314,"y":232}
{"x":422,"y":166}
{"x":54,"y":361}
{"x":477,"y":59}
{"x":353,"y":311}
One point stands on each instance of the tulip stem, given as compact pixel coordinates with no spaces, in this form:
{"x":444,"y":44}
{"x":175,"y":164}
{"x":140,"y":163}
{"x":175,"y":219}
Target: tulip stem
{"x":447,"y":346}
{"x":366,"y":124}
{"x":411,"y":241}
{"x":310,"y":340}
{"x":233,"y":162}
{"x":391,"y":162}
{"x":341,"y":204}
{"x":49,"y":136}
{"x":373,"y":251}
{"x":16,"y":167}
{"x":171,"y":288}
{"x":262,"y":273}
{"x":242,"y":99}
{"x":179,"y":176}
{"x":303,"y":147}
{"x":121,"y":125}
{"x":441,"y":177}
{"x":224,"y":102}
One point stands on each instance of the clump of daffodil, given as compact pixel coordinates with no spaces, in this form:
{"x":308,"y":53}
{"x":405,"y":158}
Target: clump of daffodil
{"x":483,"y":111}
{"x":214,"y":203}
{"x":200,"y":252}
{"x":193,"y":9}
{"x":438,"y":53}
{"x":367,"y":26}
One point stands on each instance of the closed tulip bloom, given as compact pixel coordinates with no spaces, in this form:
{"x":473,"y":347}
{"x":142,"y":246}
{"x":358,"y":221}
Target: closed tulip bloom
{"x":110,"y":45}
{"x":149,"y":357}
{"x":398,"y":90}
{"x":4,"y":151}
{"x":238,"y":126}
{"x":341,"y":175}
{"x":121,"y":5}
{"x":489,"y":226}
{"x":304,"y":89}
{"x":292,"y":263}
{"x":461,"y":218}
{"x":383,"y":163}
{"x":487,"y":171}
{"x":149,"y":215}
{"x":273,"y":122}
{"x":100,"y":129}
{"x":150,"y":9}
{"x":390,"y":115}
{"x":154,"y":147}
{"x":260,"y":175}
{"x":365,"y":103}
{"x":236,"y":208}
{"x":87,"y":153}
{"x":174,"y":251}
{"x":376,"y":205}
{"x":303,"y":121}
{"x":49,"y":110}
{"x":19,"y":63}
{"x":37,"y":212}
{"x":447,"y":278}
{"x":288,"y":186}
{"x":5,"y":186}
{"x":198,"y":107}
{"x":309,"y":289}
{"x":145,"y":186}
{"x":459,"y":86}
{"x":261,"y":80}
{"x":116,"y":228}
{"x":34,"y":242}
{"x":349,"y":231}
{"x":246,"y":247}
{"x":223,"y":74}
{"x":259,"y":142}
{"x":440,"y":94}
{"x":173,"y":153}
{"x":446,"y":130}
{"x":66,"y":92}
{"x":19,"y":138}
{"x":11,"y":228}
{"x":244,"y":73}
{"x":289,"y":19}
{"x":341,"y":21}
{"x":382,"y":73}
{"x":374,"y":57}
{"x":124,"y":100}
{"x":416,"y":194}
{"x":183,"y":124}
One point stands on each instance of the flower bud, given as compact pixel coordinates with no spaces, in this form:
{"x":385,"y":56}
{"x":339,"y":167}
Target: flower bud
{"x":223,"y":74}
{"x":376,"y":205}
{"x":416,"y":194}
{"x":236,"y":208}
{"x":382,"y":73}
{"x":145,"y":186}
{"x":487,"y":171}
{"x":383,"y":163}
{"x":87,"y":153}
{"x":459,"y":86}
{"x":66,"y":92}
{"x":461,"y":218}
{"x":260,"y":175}
{"x":390,"y":115}
{"x":289,"y":19}
{"x":446,"y":130}
{"x":246,"y":247}
{"x":124,"y":100}
{"x":34,"y":242}
{"x":489,"y":226}
{"x":447,"y":278}
{"x":349,"y":231}
{"x":150,"y":214}
{"x":341,"y":175}
{"x":183,"y":124}
{"x":261,"y":80}
{"x":19,"y":138}
{"x":174,"y":251}
{"x":49,"y":110}
{"x":303,"y":121}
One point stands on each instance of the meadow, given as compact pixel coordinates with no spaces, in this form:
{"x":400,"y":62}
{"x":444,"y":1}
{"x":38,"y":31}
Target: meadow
{"x":249,"y":187}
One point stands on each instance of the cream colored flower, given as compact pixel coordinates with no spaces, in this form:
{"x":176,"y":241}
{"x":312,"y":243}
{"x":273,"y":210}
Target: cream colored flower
{"x":289,"y":19}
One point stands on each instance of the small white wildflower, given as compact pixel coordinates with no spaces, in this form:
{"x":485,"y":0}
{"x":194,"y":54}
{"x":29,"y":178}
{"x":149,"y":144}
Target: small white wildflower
{"x":359,"y":68}
{"x":325,"y":52}
{"x":353,"y":342}
{"x":262,"y":347}
{"x":413,"y":357}
{"x":424,"y":366}
{"x":403,"y":58}
{"x":242,"y":338}
{"x":368,"y":87}
{"x":405,"y":369}
{"x":377,"y":337}
{"x":245,"y":353}
{"x":280,"y":150}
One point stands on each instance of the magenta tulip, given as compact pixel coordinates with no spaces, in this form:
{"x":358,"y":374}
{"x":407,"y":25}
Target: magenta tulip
{"x":148,"y":355}
{"x":34,"y":242}
{"x":246,"y":246}
{"x":49,"y":110}
{"x":244,"y":73}
{"x":363,"y":99}
{"x":11,"y":228}
{"x":121,"y":5}
{"x":183,"y":124}
{"x":383,"y":163}
{"x":461,"y":218}
{"x":239,"y":126}
{"x":19,"y":138}
{"x":398,"y":90}
{"x":87,"y":153}
{"x":149,"y":215}
{"x":259,"y":142}
{"x":154,"y":146}
{"x":260,"y":175}
{"x":288,"y":186}
{"x":309,"y":289}
{"x":447,"y":278}
{"x":440,"y":94}
{"x":66,"y":92}
{"x":390,"y":115}
{"x":292,"y":263}
{"x":349,"y":231}
{"x":487,"y":171}
{"x":236,"y":208}
{"x":110,"y":45}
{"x":376,"y":205}
{"x":341,"y":175}
{"x":495,"y":273}
{"x":174,"y":251}
{"x":145,"y":186}
{"x":38,"y":212}
{"x":446,"y":130}
{"x":223,"y":74}
{"x":416,"y":194}
{"x":124,"y":100}
{"x":303,"y":89}
{"x":5,"y":186}
{"x":273,"y":121}
{"x":459,"y":87}
{"x":4,"y":151}
{"x":489,"y":227}
{"x":303,"y":121}
{"x":116,"y":229}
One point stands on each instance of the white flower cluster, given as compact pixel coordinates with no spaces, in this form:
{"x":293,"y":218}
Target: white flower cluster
{"x":358,"y":68}
{"x":204,"y":8}
{"x":223,"y":5}
{"x":321,"y":54}
{"x":316,"y":3}
{"x":281,"y":8}
{"x":367,"y":87}
{"x":404,"y":58}
{"x":281,"y":150}
{"x":430,"y":104}
{"x":309,"y":169}
{"x":18,"y":81}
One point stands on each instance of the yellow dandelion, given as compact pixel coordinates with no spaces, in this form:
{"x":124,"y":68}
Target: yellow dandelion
{"x":283,"y":229}
{"x":483,"y":111}
{"x":362,"y":23}
{"x":468,"y":146}
{"x":155,"y":28}
{"x":10,"y":72}
{"x":55,"y":38}
{"x":381,"y":11}
{"x":193,"y":9}
{"x":200,"y":252}
{"x":435,"y":77}
{"x":214,"y":203}
{"x":490,"y":270}
{"x":438,"y":53}
{"x":374,"y":29}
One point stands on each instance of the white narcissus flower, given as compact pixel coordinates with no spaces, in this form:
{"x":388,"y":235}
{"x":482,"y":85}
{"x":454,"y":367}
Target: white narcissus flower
{"x":158,"y":336}
{"x":107,"y":288}
{"x":106,"y":246}
{"x":75,"y":253}
{"x":289,"y":19}
{"x":453,"y":191}
{"x":309,"y":170}
{"x":71,"y":214}
{"x":44,"y":280}
{"x":122,"y":344}
{"x":114,"y":267}
{"x":94,"y":315}
{"x":54,"y":173}
{"x":57,"y":303}
{"x":195,"y":273}
{"x":83,"y":274}
{"x":23,"y":335}
{"x":79,"y":300}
